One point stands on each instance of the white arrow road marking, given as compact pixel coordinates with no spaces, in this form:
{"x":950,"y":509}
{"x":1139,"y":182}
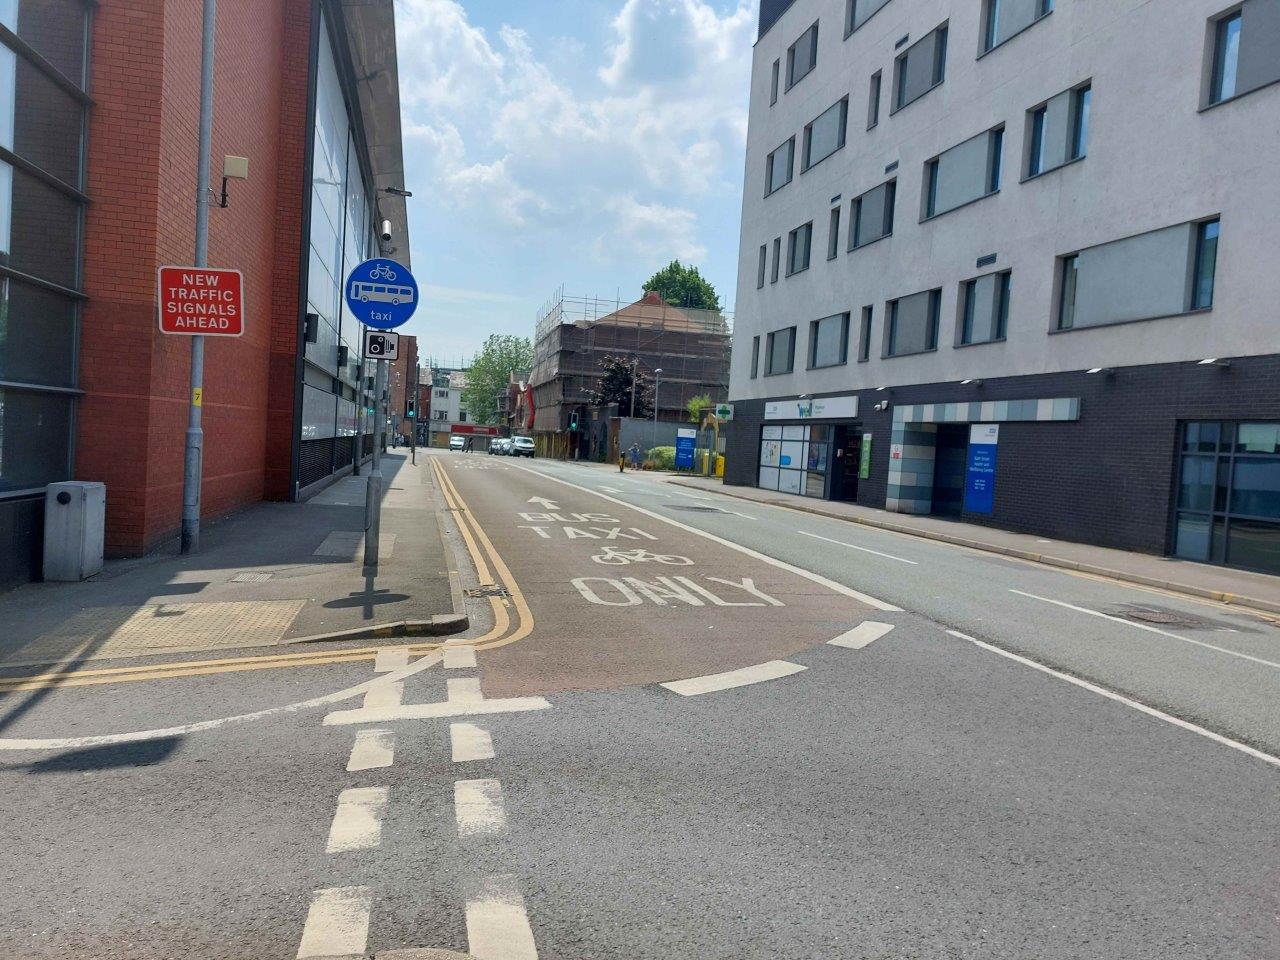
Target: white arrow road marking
{"x":862,"y":635}
{"x":373,"y":749}
{"x":337,"y":923}
{"x":1141,"y":707}
{"x":357,"y":824}
{"x":550,"y":505}
{"x":497,"y":925}
{"x":470,"y":742}
{"x":1150,"y":629}
{"x":75,"y":743}
{"x":853,"y":546}
{"x":477,"y":805}
{"x":773,"y":670}
{"x":839,"y":588}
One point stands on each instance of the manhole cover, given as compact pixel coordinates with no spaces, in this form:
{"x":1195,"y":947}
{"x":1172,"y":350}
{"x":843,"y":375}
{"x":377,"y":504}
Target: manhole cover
{"x":691,"y":508}
{"x":251,"y":577}
{"x":1162,"y":617}
{"x":488,"y":590}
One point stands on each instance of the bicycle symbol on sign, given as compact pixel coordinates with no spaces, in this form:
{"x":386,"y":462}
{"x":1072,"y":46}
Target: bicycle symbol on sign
{"x":383,"y":272}
{"x":620,"y":558}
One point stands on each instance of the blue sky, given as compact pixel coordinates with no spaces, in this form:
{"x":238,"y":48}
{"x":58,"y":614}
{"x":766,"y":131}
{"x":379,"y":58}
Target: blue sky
{"x":576,"y":142}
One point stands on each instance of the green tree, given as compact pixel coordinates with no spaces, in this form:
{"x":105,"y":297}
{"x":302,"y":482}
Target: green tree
{"x":615,"y":387}
{"x":697,"y":406}
{"x":490,"y":374}
{"x":683,"y":286}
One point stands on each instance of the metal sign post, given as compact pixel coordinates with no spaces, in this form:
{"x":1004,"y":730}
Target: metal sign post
{"x":381,"y":294}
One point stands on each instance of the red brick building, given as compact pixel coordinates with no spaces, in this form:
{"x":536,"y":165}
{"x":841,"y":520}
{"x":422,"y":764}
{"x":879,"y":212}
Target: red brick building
{"x":97,"y":190}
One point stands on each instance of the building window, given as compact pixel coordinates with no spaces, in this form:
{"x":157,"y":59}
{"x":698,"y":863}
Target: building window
{"x":802,"y":56}
{"x":755,"y":356}
{"x":778,"y":167}
{"x":777,"y":259}
{"x":799,"y":242}
{"x":1228,"y":497}
{"x":871,"y":216}
{"x":920,"y":68}
{"x":967,"y":172}
{"x":864,"y":336}
{"x":824,"y":135}
{"x":1163,"y":273}
{"x":764,"y":261}
{"x":913,"y":324}
{"x":1002,"y":19}
{"x":858,"y":12}
{"x":829,"y":341}
{"x":773,"y":83}
{"x":984,"y":308}
{"x":780,"y":352}
{"x":873,"y":101}
{"x":1206,"y":265}
{"x":833,"y":234}
{"x":1058,"y":131}
{"x":795,"y":458}
{"x":1226,"y":57}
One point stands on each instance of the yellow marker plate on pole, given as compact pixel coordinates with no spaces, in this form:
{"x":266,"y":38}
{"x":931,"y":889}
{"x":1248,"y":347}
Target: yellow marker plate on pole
{"x":197,"y":397}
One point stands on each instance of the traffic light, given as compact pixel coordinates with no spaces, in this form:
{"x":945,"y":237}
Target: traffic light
{"x":409,"y":408}
{"x":573,"y":421}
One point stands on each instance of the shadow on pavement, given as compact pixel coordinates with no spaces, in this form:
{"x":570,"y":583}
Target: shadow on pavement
{"x":143,"y":754}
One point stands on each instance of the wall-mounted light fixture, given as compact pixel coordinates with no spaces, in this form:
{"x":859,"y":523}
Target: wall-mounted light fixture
{"x":971,"y":383}
{"x":233,"y":168}
{"x":397,"y":192}
{"x":1105,"y":371}
{"x":1214,"y":362}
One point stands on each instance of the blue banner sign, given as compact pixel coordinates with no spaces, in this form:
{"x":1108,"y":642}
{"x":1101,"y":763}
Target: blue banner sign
{"x":382,"y":293}
{"x":686,"y":440}
{"x":980,"y":479}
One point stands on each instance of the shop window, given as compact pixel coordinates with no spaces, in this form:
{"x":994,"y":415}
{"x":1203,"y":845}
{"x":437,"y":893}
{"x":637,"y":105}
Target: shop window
{"x":795,"y":458}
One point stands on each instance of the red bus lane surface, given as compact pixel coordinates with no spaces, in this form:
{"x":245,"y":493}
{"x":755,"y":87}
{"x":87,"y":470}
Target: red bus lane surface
{"x":621,"y":597}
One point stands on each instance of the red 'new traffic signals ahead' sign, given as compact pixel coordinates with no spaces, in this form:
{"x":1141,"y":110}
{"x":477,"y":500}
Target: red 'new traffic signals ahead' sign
{"x":201,"y":300}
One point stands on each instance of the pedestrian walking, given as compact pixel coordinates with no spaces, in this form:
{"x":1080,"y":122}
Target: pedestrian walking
{"x":635,"y":456}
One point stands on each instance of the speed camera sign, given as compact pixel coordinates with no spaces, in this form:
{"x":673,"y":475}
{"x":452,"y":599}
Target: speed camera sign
{"x":381,"y":346}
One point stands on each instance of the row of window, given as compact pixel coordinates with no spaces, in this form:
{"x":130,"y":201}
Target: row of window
{"x":960,"y":175}
{"x":1243,"y":58}
{"x":1095,"y":288}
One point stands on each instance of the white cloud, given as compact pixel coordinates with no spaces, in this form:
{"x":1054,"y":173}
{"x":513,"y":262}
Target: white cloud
{"x":649,"y":233}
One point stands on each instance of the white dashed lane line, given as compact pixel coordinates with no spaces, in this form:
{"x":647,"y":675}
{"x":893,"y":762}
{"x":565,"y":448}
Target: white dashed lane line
{"x":337,"y":923}
{"x":773,"y":670}
{"x":470,"y":742}
{"x":497,"y":924}
{"x":373,"y":749}
{"x":862,"y":635}
{"x":852,"y":546}
{"x":357,"y":825}
{"x":478,"y":807}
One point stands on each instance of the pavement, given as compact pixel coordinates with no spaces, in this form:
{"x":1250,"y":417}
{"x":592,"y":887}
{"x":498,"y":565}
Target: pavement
{"x":273,"y":574}
{"x":814,"y":740}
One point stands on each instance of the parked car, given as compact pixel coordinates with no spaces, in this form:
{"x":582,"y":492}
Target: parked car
{"x":457,"y":443}
{"x":522,"y":447}
{"x":499,"y":446}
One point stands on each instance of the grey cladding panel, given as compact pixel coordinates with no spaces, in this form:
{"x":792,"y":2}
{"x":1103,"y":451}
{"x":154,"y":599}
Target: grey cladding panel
{"x":963,"y":173}
{"x":912,"y":326}
{"x":1143,"y":276}
{"x":1014,"y":16}
{"x":862,"y":11}
{"x":1259,"y":45}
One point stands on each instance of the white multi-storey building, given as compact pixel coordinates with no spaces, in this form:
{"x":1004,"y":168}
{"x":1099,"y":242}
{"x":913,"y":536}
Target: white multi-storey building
{"x":1014,"y":261}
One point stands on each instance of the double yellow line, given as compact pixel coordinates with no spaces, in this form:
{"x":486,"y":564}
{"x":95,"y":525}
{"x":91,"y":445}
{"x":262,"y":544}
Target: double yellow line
{"x":479,"y":547}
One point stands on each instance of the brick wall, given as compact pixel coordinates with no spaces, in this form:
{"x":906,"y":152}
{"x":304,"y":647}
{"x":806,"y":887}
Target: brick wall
{"x":141,"y":179}
{"x":1107,"y":478}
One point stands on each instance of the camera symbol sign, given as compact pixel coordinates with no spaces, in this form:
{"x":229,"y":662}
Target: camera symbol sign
{"x":381,"y":346}
{"x":382,"y":293}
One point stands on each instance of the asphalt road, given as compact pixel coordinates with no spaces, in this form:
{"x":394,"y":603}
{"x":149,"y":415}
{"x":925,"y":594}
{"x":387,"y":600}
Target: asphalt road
{"x":971,"y":772}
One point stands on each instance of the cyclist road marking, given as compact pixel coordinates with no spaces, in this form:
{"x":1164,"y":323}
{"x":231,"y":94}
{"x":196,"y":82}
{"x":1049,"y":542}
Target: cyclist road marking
{"x":839,"y":588}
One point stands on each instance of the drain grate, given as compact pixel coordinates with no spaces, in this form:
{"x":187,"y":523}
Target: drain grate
{"x":488,"y":590}
{"x":251,"y":577}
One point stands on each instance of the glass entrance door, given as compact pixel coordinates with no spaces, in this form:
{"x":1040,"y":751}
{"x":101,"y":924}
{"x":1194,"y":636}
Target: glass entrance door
{"x":1228,"y":500}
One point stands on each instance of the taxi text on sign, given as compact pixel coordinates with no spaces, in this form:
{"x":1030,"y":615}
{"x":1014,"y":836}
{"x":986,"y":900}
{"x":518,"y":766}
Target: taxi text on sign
{"x":201,"y":301}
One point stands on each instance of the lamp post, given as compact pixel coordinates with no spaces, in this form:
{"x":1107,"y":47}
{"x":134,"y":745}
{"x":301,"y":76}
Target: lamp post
{"x":657,"y":379}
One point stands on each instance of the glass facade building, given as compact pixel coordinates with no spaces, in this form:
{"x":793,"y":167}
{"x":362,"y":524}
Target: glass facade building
{"x":44,"y":50}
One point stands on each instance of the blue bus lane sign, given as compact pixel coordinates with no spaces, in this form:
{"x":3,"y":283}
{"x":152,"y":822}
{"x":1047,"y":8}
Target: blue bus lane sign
{"x":382,"y":293}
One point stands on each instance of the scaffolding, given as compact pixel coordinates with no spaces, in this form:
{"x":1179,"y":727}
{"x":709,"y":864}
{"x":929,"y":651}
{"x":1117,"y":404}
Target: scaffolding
{"x":575,"y":334}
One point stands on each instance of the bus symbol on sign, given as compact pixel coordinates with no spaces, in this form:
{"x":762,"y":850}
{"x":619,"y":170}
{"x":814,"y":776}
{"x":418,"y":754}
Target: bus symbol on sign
{"x":381,"y":293}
